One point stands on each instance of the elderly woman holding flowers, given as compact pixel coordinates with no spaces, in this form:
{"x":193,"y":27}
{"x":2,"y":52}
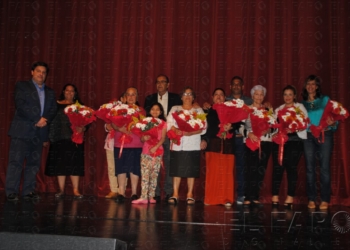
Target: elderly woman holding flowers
{"x":127,"y":147}
{"x":288,"y":147}
{"x":259,"y":144}
{"x":66,"y":158}
{"x":188,"y":124}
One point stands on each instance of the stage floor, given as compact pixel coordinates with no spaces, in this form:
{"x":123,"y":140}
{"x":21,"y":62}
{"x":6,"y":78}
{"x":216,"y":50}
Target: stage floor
{"x":163,"y":226}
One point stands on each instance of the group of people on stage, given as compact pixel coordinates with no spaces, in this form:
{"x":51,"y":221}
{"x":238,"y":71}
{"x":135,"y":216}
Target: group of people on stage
{"x":234,"y":172}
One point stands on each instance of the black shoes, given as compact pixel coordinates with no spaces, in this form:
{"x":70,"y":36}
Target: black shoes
{"x":120,"y":198}
{"x":167,"y":198}
{"x":12,"y":197}
{"x":134,"y":197}
{"x":157,"y":198}
{"x":31,"y":196}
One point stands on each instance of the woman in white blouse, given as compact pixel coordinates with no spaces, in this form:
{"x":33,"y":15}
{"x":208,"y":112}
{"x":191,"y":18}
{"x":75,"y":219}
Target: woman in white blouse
{"x":185,"y":158}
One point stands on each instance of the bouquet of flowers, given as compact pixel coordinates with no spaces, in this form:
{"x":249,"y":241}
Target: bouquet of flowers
{"x":187,"y":121}
{"x":79,"y":116}
{"x":290,"y":120}
{"x":230,"y":112}
{"x":105,"y":109}
{"x":261,"y":120}
{"x":102,"y":114}
{"x":173,"y":137}
{"x":150,"y":126}
{"x":333,"y":110}
{"x":125,"y":115}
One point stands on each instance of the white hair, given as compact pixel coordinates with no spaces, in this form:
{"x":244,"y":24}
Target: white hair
{"x":258,"y":87}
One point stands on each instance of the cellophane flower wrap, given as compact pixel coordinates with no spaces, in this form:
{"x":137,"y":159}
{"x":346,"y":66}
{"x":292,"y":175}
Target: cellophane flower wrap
{"x":187,"y":121}
{"x":105,"y":109}
{"x":261,"y":120}
{"x":125,"y":115}
{"x":230,"y":112}
{"x":79,"y":116}
{"x":150,"y":126}
{"x":102,"y":112}
{"x":290,"y":120}
{"x":334,"y":110}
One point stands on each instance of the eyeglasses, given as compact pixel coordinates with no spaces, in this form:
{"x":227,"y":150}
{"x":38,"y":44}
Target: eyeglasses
{"x":187,"y":94}
{"x":158,"y":82}
{"x":127,"y":94}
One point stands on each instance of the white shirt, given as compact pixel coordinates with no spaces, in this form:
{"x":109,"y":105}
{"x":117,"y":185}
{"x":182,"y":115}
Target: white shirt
{"x":188,"y":143}
{"x":164,"y":101}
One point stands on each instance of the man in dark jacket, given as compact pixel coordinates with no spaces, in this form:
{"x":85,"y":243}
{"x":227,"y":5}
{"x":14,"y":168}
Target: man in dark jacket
{"x":168,"y":100}
{"x":35,"y":108}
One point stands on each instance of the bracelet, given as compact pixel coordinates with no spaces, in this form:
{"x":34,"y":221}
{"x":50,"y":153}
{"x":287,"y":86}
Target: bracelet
{"x":106,"y":127}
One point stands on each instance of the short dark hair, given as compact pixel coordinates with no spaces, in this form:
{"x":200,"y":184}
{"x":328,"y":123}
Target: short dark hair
{"x":76,"y":93}
{"x":161,"y":116}
{"x":237,"y":78}
{"x":184,"y":90}
{"x":292,"y":88}
{"x":44,"y":64}
{"x":317,"y":80}
{"x":166,"y":78}
{"x":219,"y":89}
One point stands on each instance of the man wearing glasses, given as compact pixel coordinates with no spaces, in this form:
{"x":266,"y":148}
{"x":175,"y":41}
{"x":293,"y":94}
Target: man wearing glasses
{"x":168,"y":100}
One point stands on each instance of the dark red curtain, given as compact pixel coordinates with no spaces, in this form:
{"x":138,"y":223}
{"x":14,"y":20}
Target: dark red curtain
{"x":106,"y":46}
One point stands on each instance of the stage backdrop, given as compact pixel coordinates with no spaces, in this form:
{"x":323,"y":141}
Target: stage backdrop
{"x":106,"y":46}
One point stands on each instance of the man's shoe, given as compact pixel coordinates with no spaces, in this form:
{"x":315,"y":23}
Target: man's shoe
{"x":157,"y":198}
{"x":32,"y":196}
{"x":12,"y":197}
{"x":134,"y":197}
{"x":240,"y":200}
{"x":167,"y":198}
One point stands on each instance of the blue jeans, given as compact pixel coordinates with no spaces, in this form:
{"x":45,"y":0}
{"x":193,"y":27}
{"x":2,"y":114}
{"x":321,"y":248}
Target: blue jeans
{"x":314,"y":150}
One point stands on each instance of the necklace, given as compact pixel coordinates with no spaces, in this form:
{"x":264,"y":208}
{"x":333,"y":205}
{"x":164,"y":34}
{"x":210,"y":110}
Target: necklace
{"x":311,"y":104}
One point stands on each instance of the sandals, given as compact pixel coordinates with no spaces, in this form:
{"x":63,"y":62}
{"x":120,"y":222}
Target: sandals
{"x":190,"y":201}
{"x":311,"y":205}
{"x":288,"y":206}
{"x":59,"y":195}
{"x":274,"y":201}
{"x":172,"y":200}
{"x":323,"y":205}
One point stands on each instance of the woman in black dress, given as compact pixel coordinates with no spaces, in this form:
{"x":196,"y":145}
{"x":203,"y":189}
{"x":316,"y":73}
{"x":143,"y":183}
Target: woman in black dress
{"x":65,"y":158}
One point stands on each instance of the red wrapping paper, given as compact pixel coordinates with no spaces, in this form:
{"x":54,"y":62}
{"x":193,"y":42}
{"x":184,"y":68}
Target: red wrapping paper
{"x":185,"y":122}
{"x":334,"y":110}
{"x":230,"y":112}
{"x":261,"y":120}
{"x":151,"y":128}
{"x":125,"y":115}
{"x":77,"y":118}
{"x":290,"y":120}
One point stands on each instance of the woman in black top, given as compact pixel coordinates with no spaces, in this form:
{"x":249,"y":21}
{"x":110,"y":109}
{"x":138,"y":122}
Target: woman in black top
{"x":65,"y":158}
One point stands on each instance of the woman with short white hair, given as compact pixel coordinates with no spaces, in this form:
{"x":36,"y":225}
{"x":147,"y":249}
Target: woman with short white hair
{"x":257,"y":160}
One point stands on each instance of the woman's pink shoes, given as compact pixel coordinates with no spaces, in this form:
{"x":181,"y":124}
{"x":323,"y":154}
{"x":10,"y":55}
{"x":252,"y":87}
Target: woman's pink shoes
{"x":144,"y":201}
